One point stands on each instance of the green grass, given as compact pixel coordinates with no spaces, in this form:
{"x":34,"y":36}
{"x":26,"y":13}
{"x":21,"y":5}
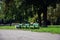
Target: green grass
{"x":50,"y":29}
{"x":7,"y":27}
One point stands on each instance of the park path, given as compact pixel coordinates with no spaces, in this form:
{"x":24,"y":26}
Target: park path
{"x":27,"y":35}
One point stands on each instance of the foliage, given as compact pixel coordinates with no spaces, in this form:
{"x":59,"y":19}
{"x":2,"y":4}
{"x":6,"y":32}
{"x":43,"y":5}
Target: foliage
{"x":22,"y":10}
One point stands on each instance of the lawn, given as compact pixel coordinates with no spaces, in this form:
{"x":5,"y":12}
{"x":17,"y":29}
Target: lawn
{"x":7,"y":27}
{"x":50,"y":29}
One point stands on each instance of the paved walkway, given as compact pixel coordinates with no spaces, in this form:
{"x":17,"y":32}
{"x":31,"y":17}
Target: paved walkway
{"x":26,"y":35}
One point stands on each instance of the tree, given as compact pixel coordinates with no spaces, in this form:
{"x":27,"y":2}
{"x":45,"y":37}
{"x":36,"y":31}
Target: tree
{"x":28,"y":8}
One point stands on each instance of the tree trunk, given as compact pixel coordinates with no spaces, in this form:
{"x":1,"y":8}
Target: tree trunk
{"x":45,"y":15}
{"x":39,"y":16}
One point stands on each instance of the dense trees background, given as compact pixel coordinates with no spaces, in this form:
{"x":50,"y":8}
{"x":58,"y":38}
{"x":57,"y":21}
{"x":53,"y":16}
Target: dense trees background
{"x":31,"y":11}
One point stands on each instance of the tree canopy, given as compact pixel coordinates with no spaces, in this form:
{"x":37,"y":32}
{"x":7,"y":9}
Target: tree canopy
{"x":22,"y":10}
